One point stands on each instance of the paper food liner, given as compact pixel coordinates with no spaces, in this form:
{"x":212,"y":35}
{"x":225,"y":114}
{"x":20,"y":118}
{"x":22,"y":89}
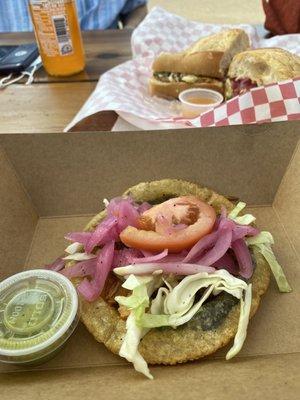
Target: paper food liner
{"x":124,"y":89}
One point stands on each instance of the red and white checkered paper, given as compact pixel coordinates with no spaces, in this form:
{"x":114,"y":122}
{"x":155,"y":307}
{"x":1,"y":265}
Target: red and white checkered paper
{"x":271,"y":103}
{"x":124,"y":88}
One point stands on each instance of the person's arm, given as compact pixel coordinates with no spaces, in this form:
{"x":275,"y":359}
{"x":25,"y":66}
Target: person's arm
{"x":282,"y":16}
{"x":132,"y":19}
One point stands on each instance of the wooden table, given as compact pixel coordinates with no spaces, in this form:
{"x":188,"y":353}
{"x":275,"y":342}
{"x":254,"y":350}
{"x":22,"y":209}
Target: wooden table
{"x":50,"y":103}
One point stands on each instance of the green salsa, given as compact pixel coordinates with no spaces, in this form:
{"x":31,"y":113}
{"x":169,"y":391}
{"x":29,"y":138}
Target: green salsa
{"x":38,"y":312}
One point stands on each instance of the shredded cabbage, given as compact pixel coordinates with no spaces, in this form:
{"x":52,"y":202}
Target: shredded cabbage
{"x":246,"y":219}
{"x":263,"y":237}
{"x":79,"y":256}
{"x":162,"y":267}
{"x":105,"y":202}
{"x":139,"y":296}
{"x":142,"y":287}
{"x":73,"y":248}
{"x":237,"y":209}
{"x":175,"y":306}
{"x":243,"y":324}
{"x":262,"y":242}
{"x":129,"y":348}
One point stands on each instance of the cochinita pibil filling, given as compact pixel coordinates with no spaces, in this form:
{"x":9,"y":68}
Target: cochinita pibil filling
{"x":179,"y":77}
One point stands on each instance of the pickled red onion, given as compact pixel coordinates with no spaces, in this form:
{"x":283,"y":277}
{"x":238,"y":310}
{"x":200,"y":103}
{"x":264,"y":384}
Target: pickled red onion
{"x":121,"y":212}
{"x":126,"y":214}
{"x":176,"y":257}
{"x":203,"y":244}
{"x":80,"y":237}
{"x":240,"y":231}
{"x":222,"y":244}
{"x":151,"y":258}
{"x":227,"y":262}
{"x":243,"y":257}
{"x":90,"y":290}
{"x":57,"y":265}
{"x":105,"y":232}
{"x":125,"y":256}
{"x":80,"y":269}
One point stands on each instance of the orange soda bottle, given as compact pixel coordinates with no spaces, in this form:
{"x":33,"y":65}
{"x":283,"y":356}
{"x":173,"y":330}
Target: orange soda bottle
{"x":57,"y":31}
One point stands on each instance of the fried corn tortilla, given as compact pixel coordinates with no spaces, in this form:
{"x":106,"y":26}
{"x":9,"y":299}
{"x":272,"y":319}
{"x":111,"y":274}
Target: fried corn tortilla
{"x":210,"y":329}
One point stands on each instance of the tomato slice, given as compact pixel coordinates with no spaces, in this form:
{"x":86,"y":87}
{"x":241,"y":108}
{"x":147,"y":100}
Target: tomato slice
{"x":175,"y":224}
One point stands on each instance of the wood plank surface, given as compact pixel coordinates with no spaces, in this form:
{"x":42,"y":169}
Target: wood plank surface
{"x":41,"y":108}
{"x":104,"y":50}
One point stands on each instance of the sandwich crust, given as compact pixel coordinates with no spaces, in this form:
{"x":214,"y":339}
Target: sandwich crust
{"x":204,"y":63}
{"x":221,"y":41}
{"x":230,"y":42}
{"x":264,"y":66}
{"x":209,"y":56}
{"x":192,"y":340}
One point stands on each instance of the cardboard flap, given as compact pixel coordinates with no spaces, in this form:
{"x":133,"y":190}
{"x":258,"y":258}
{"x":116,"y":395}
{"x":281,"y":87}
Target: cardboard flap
{"x":288,"y":199}
{"x":71,"y":173}
{"x":17,"y":220}
{"x":268,"y":378}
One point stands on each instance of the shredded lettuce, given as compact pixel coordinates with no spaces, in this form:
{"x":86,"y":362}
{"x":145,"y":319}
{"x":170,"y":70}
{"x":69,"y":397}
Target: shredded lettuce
{"x":105,"y":202}
{"x":262,"y":242}
{"x":263,"y":237}
{"x":133,"y":281}
{"x":73,"y":248}
{"x":246,"y":219}
{"x":174,"y":306}
{"x":79,"y":256}
{"x":142,"y":287}
{"x":243,"y":324}
{"x":129,"y":348}
{"x":237,"y":209}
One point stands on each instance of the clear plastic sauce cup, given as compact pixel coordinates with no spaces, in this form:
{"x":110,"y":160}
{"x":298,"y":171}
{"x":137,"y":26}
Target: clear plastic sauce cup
{"x":38,"y":313}
{"x":195,"y":102}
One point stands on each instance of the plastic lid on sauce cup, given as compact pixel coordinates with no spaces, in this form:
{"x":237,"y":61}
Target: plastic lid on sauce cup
{"x":38,"y":313}
{"x":192,"y":110}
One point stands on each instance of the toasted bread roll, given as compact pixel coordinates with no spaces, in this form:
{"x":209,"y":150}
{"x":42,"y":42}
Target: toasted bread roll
{"x":264,"y":66}
{"x":208,"y":58}
{"x":229,"y":42}
{"x":204,"y":63}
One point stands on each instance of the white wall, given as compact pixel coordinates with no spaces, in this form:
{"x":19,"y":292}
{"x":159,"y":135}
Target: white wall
{"x":219,"y":11}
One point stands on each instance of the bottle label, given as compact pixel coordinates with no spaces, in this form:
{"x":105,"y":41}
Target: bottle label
{"x":52,"y":28}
